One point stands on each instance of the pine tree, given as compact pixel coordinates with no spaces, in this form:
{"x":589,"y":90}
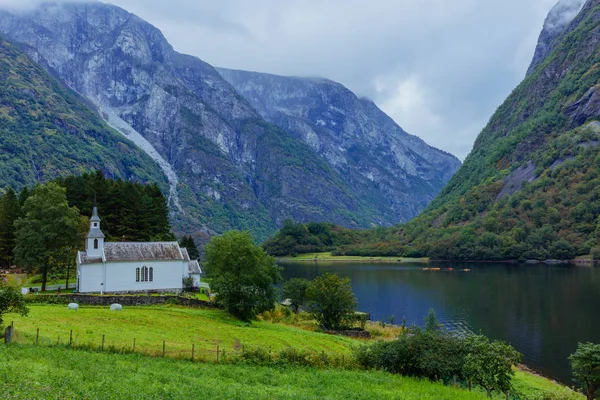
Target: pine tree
{"x":10,"y":209}
{"x":188,"y":243}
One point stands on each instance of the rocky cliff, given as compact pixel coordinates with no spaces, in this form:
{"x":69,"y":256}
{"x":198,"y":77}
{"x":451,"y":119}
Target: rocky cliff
{"x":398,"y":173}
{"x":227,"y":167}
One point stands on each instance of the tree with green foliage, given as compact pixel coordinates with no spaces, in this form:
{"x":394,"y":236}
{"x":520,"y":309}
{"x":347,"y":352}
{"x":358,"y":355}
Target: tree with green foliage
{"x":10,"y":210}
{"x":331,"y":301}
{"x":489,"y":363}
{"x":585,"y":364}
{"x":188,"y":243}
{"x":138,"y":212}
{"x":242,"y":274}
{"x":48,"y":226}
{"x":295,"y":290}
{"x":11,"y":300}
{"x":431,"y":322}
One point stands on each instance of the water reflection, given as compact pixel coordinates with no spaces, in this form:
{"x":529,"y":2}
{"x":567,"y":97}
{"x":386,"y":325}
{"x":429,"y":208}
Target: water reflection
{"x":544,"y":311}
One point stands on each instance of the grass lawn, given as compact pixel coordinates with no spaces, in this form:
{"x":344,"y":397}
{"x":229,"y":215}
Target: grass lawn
{"x":327,"y":257}
{"x":28,"y":372}
{"x":179,"y":327}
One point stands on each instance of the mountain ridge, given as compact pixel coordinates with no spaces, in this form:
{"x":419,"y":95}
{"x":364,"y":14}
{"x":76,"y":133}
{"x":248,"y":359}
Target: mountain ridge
{"x":228,"y":168}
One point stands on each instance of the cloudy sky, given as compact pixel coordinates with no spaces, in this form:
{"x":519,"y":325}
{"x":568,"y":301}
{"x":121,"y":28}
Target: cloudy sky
{"x":440,"y":68}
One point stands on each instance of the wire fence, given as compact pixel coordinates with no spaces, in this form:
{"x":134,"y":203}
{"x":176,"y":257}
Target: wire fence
{"x":195,"y":352}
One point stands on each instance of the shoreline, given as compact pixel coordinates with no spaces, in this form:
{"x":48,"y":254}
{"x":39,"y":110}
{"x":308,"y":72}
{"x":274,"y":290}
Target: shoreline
{"x":328,"y":258}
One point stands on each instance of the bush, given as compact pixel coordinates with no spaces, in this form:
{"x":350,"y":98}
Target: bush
{"x":331,"y":301}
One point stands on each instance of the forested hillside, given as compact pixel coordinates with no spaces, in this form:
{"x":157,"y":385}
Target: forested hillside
{"x":47,"y":130}
{"x":128,"y":210}
{"x":530,"y":189}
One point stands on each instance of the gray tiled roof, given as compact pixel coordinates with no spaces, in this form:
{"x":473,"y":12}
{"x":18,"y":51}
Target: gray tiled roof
{"x":194,"y":267}
{"x":132,"y":251}
{"x":84,"y":259}
{"x":186,"y":256}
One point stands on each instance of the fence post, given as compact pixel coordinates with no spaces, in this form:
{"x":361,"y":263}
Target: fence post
{"x":217,"y":353}
{"x":71,"y":338}
{"x":163,"y":348}
{"x":102,"y":342}
{"x":193,"y":348}
{"x":37,"y":336}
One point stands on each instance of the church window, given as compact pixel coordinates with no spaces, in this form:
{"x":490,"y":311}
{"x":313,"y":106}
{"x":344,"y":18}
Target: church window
{"x":151,"y":274}
{"x":95,"y":243}
{"x":137,"y":274}
{"x":145,"y":274}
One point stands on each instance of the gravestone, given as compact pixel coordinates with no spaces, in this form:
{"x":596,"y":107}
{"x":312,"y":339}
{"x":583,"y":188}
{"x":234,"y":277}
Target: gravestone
{"x":116,"y":307}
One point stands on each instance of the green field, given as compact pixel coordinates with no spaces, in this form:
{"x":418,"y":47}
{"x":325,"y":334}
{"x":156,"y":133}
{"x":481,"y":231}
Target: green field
{"x":327,"y":257}
{"x":179,"y":327}
{"x":27,"y":372}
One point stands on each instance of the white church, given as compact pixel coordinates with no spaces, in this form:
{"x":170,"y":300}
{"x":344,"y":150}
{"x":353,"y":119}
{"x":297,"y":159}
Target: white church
{"x":132,"y":266}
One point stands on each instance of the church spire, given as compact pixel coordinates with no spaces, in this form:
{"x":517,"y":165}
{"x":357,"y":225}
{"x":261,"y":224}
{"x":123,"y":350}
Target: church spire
{"x":95,"y":237}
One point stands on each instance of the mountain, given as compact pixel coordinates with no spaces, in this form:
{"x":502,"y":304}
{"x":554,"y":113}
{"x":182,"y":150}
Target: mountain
{"x":530,"y":188}
{"x":558,"y":20}
{"x":396,"y":172}
{"x":226,"y":165}
{"x":47,"y":130}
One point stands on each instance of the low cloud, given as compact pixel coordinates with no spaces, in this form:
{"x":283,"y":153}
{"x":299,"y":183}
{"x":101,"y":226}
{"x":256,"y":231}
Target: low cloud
{"x":440,"y":68}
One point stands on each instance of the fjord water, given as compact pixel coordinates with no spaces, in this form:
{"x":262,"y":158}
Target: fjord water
{"x":542,"y":310}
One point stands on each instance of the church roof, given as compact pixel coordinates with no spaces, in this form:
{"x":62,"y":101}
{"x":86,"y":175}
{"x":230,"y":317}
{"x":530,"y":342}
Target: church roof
{"x":185,"y":254}
{"x":142,"y":251}
{"x":95,"y":217}
{"x":194,"y":267}
{"x":95,"y":233}
{"x":84,"y":259}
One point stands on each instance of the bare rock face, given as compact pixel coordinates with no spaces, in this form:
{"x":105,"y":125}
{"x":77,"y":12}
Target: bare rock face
{"x":227,"y":167}
{"x":399,"y":173}
{"x":557,"y":21}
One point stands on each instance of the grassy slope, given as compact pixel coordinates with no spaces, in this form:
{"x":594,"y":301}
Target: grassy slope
{"x":57,"y":372}
{"x":180,"y":327}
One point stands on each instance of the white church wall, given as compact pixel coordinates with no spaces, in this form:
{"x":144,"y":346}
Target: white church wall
{"x":90,"y":278}
{"x":121,"y":276}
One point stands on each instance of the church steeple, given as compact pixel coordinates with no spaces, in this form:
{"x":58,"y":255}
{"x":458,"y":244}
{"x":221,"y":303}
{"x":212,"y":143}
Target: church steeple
{"x":95,"y":237}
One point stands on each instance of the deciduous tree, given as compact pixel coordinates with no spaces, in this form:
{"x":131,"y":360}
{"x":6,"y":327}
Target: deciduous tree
{"x":242,"y":274}
{"x":11,"y":300}
{"x":47,"y":227}
{"x":331,"y":301}
{"x":585,"y":364}
{"x":295,"y":290}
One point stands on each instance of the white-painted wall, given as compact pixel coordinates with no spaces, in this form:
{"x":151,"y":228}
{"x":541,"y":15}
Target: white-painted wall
{"x":90,"y":278}
{"x":120,"y":276}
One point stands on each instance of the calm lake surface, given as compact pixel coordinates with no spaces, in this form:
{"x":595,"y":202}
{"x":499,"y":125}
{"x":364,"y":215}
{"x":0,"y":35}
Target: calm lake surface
{"x":543,"y":311}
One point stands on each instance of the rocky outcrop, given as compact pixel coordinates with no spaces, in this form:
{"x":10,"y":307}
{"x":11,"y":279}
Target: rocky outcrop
{"x":227,"y":167}
{"x":557,"y":21}
{"x":399,"y":173}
